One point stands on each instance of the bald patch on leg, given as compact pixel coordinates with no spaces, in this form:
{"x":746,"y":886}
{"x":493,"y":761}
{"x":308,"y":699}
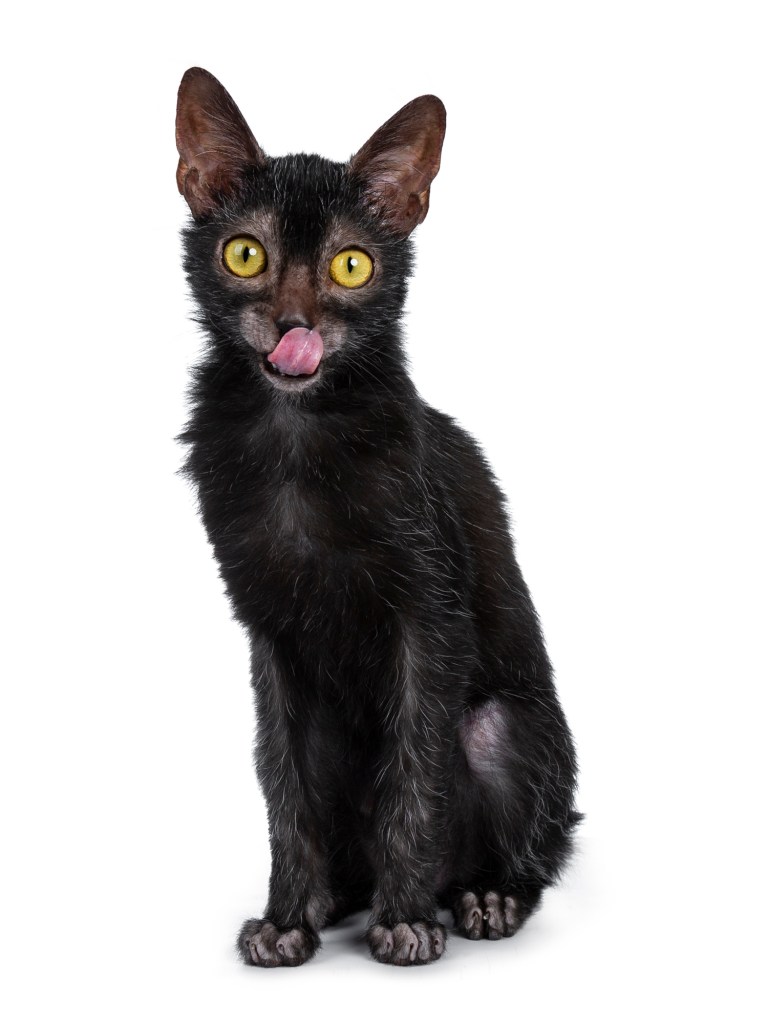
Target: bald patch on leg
{"x":484,"y":735}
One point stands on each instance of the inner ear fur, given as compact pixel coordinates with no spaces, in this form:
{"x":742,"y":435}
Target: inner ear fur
{"x":399,"y":162}
{"x":215,"y":144}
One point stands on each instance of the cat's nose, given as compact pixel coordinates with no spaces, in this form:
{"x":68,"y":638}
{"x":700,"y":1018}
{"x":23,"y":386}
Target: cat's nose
{"x":283,"y":326}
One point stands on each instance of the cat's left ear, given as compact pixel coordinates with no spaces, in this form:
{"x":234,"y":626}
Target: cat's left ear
{"x":216,"y":146}
{"x":398,"y":164}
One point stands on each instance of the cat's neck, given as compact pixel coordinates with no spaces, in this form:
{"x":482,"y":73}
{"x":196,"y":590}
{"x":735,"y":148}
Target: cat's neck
{"x":371,"y":408}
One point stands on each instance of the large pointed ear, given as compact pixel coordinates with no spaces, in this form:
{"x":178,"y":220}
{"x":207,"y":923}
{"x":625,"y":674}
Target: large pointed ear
{"x":215,"y":144}
{"x":398,"y":163}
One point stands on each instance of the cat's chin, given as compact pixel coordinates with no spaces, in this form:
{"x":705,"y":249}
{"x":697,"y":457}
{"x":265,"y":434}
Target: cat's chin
{"x":289,"y":382}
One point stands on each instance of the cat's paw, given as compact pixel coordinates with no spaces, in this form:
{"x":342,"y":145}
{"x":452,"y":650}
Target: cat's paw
{"x":489,"y":915}
{"x":419,"y":942}
{"x":262,"y":944}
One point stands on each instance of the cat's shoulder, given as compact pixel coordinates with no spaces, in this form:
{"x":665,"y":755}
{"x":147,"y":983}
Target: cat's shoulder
{"x":458,"y":459}
{"x":450,"y":437}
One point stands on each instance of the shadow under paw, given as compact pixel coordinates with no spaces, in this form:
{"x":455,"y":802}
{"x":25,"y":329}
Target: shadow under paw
{"x":262,"y":944}
{"x":489,"y":915}
{"x":405,"y":945}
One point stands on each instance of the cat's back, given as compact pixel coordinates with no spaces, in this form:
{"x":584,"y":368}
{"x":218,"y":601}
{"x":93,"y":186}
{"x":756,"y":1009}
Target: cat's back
{"x":475,"y":503}
{"x":459,"y":462}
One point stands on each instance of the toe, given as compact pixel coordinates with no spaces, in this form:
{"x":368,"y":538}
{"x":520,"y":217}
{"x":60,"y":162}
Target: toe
{"x":469,"y":916}
{"x":493,"y":916}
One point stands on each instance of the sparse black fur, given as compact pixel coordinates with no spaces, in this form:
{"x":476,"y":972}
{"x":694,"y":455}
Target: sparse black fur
{"x":411,"y":747}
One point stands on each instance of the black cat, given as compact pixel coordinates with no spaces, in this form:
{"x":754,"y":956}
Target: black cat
{"x":411,"y":747}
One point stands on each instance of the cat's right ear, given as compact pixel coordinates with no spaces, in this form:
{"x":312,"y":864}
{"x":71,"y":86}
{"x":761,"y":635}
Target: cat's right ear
{"x":216,"y":146}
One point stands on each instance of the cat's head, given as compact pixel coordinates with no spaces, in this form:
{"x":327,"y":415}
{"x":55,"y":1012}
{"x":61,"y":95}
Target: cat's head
{"x":299,"y":262}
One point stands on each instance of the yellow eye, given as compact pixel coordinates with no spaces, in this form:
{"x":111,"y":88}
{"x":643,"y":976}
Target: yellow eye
{"x":245,"y":256}
{"x":351,"y":268}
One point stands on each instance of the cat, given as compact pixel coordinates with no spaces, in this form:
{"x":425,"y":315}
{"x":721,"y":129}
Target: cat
{"x":410,"y":744}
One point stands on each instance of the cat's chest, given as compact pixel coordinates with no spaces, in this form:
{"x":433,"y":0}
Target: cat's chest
{"x":291,"y":516}
{"x":322,"y":519}
{"x":299,"y":500}
{"x":318,"y":497}
{"x":323,"y":541}
{"x":310,"y":556}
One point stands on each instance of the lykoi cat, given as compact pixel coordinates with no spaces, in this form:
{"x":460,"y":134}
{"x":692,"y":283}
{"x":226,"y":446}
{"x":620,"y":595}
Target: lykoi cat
{"x":411,"y":747}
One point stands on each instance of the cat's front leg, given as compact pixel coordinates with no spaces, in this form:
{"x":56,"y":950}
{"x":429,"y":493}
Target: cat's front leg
{"x":410,"y":802}
{"x":299,"y":898}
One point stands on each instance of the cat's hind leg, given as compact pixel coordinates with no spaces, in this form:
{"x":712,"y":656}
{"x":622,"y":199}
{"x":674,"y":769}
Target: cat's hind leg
{"x":513,"y":813}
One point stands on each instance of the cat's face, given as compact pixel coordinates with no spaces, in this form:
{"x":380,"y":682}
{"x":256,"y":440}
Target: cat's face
{"x":299,"y":260}
{"x":297,"y":270}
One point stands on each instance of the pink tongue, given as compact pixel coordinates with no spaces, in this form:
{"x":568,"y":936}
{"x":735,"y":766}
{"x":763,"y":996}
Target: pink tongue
{"x":299,"y":351}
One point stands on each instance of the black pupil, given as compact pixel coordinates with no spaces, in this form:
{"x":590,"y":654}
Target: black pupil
{"x":246,"y":253}
{"x":351,"y":261}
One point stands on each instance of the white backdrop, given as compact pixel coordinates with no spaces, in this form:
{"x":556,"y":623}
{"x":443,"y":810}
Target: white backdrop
{"x":589,"y":302}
